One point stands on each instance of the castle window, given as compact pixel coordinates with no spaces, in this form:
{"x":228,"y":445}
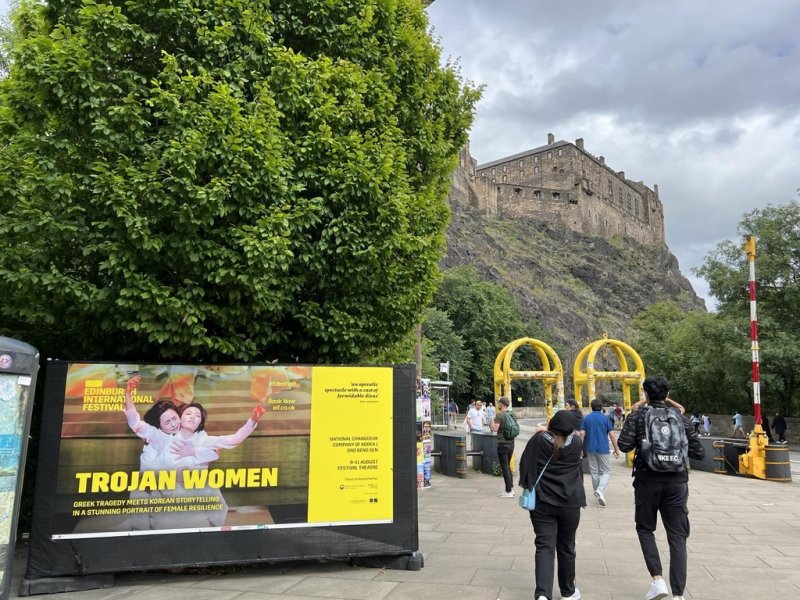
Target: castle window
{"x":537,"y":194}
{"x":556,"y":195}
{"x":494,"y":179}
{"x":536,"y":170}
{"x":550,"y":154}
{"x":521,"y":173}
{"x":629,"y":204}
{"x":522,"y":163}
{"x":610,"y":190}
{"x":505,"y":169}
{"x":573,"y":199}
{"x":505,"y":178}
{"x":517,"y":191}
{"x":494,"y":171}
{"x":561,"y":152}
{"x":535,"y":159}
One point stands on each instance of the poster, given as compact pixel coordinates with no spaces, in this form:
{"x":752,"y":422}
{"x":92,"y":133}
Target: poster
{"x":350,"y":477}
{"x":12,"y":407}
{"x":426,"y":436}
{"x":222,"y":447}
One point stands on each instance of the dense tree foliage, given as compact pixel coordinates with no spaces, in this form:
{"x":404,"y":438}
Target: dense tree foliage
{"x":441,"y":344}
{"x":486,"y":317}
{"x":5,"y":44}
{"x":224,"y":179}
{"x":777,"y":232}
{"x":705,"y":356}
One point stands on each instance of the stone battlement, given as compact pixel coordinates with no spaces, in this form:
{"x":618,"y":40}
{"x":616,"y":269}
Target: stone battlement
{"x":562,"y":181}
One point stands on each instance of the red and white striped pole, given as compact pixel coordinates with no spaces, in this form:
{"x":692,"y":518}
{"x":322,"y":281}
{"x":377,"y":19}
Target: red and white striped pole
{"x":750,"y":249}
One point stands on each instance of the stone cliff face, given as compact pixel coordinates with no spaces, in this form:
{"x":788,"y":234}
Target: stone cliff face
{"x":576,"y":286}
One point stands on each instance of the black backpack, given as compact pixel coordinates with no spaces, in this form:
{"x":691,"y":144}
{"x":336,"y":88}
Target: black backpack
{"x":664,"y":446}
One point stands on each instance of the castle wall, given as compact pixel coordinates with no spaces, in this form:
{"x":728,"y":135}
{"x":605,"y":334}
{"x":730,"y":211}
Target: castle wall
{"x":563,"y":181}
{"x":589,"y":217}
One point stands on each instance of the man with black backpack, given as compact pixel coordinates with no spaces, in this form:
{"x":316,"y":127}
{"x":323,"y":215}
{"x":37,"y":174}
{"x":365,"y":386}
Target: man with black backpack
{"x":507,"y":428}
{"x":664,"y":441}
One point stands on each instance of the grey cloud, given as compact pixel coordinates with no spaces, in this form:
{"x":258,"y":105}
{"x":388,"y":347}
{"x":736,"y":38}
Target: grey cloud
{"x":700,"y":97}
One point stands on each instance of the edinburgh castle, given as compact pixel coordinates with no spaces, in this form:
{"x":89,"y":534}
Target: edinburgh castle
{"x":563,"y":182}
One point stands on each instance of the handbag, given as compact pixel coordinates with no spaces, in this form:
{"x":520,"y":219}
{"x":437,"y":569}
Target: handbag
{"x":528,"y":498}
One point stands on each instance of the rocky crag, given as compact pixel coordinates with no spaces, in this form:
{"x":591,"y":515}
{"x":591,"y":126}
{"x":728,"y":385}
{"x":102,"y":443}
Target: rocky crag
{"x":577,"y":286}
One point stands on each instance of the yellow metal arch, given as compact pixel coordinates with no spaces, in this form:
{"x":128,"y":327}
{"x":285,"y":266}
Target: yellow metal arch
{"x":584,"y":373}
{"x":552,"y":372}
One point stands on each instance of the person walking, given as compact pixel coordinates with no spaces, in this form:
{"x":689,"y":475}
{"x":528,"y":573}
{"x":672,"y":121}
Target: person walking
{"x":490,"y":414}
{"x":505,"y":443}
{"x":571,"y":405}
{"x":706,"y":425}
{"x":765,"y":427}
{"x":663,"y":441}
{"x":779,"y":425}
{"x":553,"y":457}
{"x":598,"y":430}
{"x":738,"y":425}
{"x":452,"y":413}
{"x":696,"y":421}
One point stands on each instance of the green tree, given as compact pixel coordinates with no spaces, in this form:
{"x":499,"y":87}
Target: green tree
{"x":777,"y":263}
{"x":704,"y":356}
{"x":5,"y":42}
{"x":652,"y":339}
{"x":224,"y":180}
{"x":486,"y":316}
{"x":442,"y":344}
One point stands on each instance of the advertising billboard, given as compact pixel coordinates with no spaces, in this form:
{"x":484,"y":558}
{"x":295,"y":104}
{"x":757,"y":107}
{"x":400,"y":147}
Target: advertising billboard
{"x":132,"y":453}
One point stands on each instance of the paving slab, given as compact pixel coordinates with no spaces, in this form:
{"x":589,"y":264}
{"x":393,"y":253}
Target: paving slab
{"x":745,"y":543}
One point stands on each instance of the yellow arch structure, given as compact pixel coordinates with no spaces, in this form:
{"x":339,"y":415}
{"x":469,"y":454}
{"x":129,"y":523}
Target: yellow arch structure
{"x":552,"y":372}
{"x":584,"y":373}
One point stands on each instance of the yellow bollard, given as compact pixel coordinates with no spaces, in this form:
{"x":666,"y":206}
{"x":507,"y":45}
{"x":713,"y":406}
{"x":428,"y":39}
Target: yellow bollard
{"x":754,"y":461}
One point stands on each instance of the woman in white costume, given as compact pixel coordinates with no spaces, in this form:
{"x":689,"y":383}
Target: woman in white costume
{"x":181,"y":446}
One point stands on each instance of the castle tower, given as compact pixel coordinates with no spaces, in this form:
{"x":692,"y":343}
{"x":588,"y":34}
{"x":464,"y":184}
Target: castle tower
{"x":562,"y":181}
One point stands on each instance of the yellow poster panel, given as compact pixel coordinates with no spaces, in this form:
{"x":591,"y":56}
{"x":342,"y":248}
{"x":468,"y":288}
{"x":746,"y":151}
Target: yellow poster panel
{"x":350,"y":476}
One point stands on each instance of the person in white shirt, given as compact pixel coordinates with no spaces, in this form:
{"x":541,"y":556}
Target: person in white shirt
{"x":474,"y":420}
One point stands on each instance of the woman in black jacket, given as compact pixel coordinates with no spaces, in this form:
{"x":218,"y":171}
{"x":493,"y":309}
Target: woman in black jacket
{"x":559,"y":499}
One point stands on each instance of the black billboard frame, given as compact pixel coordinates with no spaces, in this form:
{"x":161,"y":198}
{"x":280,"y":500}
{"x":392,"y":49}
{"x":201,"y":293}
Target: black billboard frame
{"x":58,"y":565}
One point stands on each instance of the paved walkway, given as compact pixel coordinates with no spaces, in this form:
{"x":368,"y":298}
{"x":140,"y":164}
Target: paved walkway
{"x":745,"y":543}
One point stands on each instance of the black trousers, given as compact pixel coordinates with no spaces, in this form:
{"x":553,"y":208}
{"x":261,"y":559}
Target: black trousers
{"x":670,"y":499}
{"x":555,"y":528}
{"x":504,"y":452}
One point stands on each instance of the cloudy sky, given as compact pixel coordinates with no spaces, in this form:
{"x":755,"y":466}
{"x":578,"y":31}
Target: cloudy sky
{"x":701,"y":98}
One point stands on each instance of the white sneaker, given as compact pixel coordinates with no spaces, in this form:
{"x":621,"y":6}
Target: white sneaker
{"x":657,"y":591}
{"x":575,"y":596}
{"x":505,"y":495}
{"x":601,"y":500}
{"x":541,"y":598}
